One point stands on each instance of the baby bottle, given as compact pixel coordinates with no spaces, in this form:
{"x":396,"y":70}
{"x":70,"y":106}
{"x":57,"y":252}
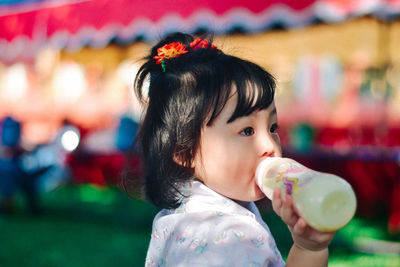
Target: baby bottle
{"x":327,"y":202}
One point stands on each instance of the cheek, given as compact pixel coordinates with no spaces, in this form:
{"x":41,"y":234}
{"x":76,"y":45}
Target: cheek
{"x":278,"y":147}
{"x":212,"y":153}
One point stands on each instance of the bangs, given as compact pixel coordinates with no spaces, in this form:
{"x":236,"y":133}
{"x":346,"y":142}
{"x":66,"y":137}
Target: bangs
{"x":255,"y":88}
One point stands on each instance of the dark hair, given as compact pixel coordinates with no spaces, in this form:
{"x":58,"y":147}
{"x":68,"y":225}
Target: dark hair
{"x":187,"y":96}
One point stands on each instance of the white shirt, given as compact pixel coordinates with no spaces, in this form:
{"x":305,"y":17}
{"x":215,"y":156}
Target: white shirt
{"x":208,"y":229}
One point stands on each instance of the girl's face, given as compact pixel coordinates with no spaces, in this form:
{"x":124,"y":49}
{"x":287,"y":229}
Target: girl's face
{"x":230,"y":152}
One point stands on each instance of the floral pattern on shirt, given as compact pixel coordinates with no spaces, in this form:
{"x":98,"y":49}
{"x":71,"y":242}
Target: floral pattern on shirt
{"x":208,"y":229}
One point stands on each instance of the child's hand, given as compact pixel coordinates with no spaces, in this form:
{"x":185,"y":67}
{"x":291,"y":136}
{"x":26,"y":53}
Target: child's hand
{"x":304,"y":236}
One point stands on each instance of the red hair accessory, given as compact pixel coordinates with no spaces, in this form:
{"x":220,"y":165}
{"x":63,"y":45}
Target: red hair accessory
{"x":201,"y":43}
{"x":168,"y":51}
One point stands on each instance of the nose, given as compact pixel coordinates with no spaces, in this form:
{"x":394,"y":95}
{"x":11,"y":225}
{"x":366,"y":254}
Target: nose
{"x":269,"y":145}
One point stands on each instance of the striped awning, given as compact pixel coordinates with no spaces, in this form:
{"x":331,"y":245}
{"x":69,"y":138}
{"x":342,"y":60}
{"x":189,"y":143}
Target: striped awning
{"x":26,"y":26}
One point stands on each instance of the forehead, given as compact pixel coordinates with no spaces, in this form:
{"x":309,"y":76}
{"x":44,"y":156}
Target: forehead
{"x":246,"y":90}
{"x":232,"y":103}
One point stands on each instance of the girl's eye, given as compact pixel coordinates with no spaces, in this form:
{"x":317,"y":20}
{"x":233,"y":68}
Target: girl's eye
{"x":247,"y":132}
{"x":274,"y":128}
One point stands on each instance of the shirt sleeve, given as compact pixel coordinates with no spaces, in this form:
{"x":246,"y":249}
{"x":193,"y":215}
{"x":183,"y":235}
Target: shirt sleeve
{"x":211,"y":239}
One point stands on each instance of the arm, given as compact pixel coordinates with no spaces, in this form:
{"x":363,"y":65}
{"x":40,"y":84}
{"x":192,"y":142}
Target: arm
{"x":302,"y":257}
{"x":310,"y":246}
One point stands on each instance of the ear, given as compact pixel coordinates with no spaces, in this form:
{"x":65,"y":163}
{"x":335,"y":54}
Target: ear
{"x":178,"y":159}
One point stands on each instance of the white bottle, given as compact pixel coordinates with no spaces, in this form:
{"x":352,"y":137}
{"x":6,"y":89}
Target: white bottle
{"x":327,"y":202}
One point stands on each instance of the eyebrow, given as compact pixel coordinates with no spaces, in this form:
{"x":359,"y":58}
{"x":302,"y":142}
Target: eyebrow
{"x":273,"y":112}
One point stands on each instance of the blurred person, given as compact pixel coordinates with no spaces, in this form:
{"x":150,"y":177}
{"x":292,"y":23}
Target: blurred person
{"x":125,"y":143}
{"x":47,"y":163}
{"x":126,"y":133}
{"x":12,"y":175}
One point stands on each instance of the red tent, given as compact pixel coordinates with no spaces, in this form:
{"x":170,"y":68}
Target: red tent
{"x":26,"y":26}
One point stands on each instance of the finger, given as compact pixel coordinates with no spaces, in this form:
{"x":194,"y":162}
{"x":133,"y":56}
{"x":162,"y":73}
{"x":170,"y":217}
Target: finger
{"x":300,"y":226}
{"x":277,"y":201}
{"x":324,"y":237}
{"x":287,"y":212}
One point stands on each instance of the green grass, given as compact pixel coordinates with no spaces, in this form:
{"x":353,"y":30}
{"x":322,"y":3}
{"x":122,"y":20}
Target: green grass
{"x":80,"y":226}
{"x":91,"y":226}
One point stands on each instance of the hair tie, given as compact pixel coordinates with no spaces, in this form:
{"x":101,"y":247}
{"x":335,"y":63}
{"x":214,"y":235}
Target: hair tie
{"x":175,"y":49}
{"x":201,"y":43}
{"x":171,"y":50}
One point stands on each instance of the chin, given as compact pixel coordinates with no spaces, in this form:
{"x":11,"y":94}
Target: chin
{"x":249,"y":197}
{"x":255,"y":196}
{"x":251,"y":194}
{"x":258,"y":194}
{"x":259,"y":197}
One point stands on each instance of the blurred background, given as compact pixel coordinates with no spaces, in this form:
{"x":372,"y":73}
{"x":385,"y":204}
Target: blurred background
{"x":68,"y":117}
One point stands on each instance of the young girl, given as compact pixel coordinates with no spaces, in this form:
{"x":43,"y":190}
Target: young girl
{"x":210,"y":120}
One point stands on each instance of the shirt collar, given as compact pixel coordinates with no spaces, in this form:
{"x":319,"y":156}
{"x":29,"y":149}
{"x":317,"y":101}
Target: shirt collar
{"x":198,"y":197}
